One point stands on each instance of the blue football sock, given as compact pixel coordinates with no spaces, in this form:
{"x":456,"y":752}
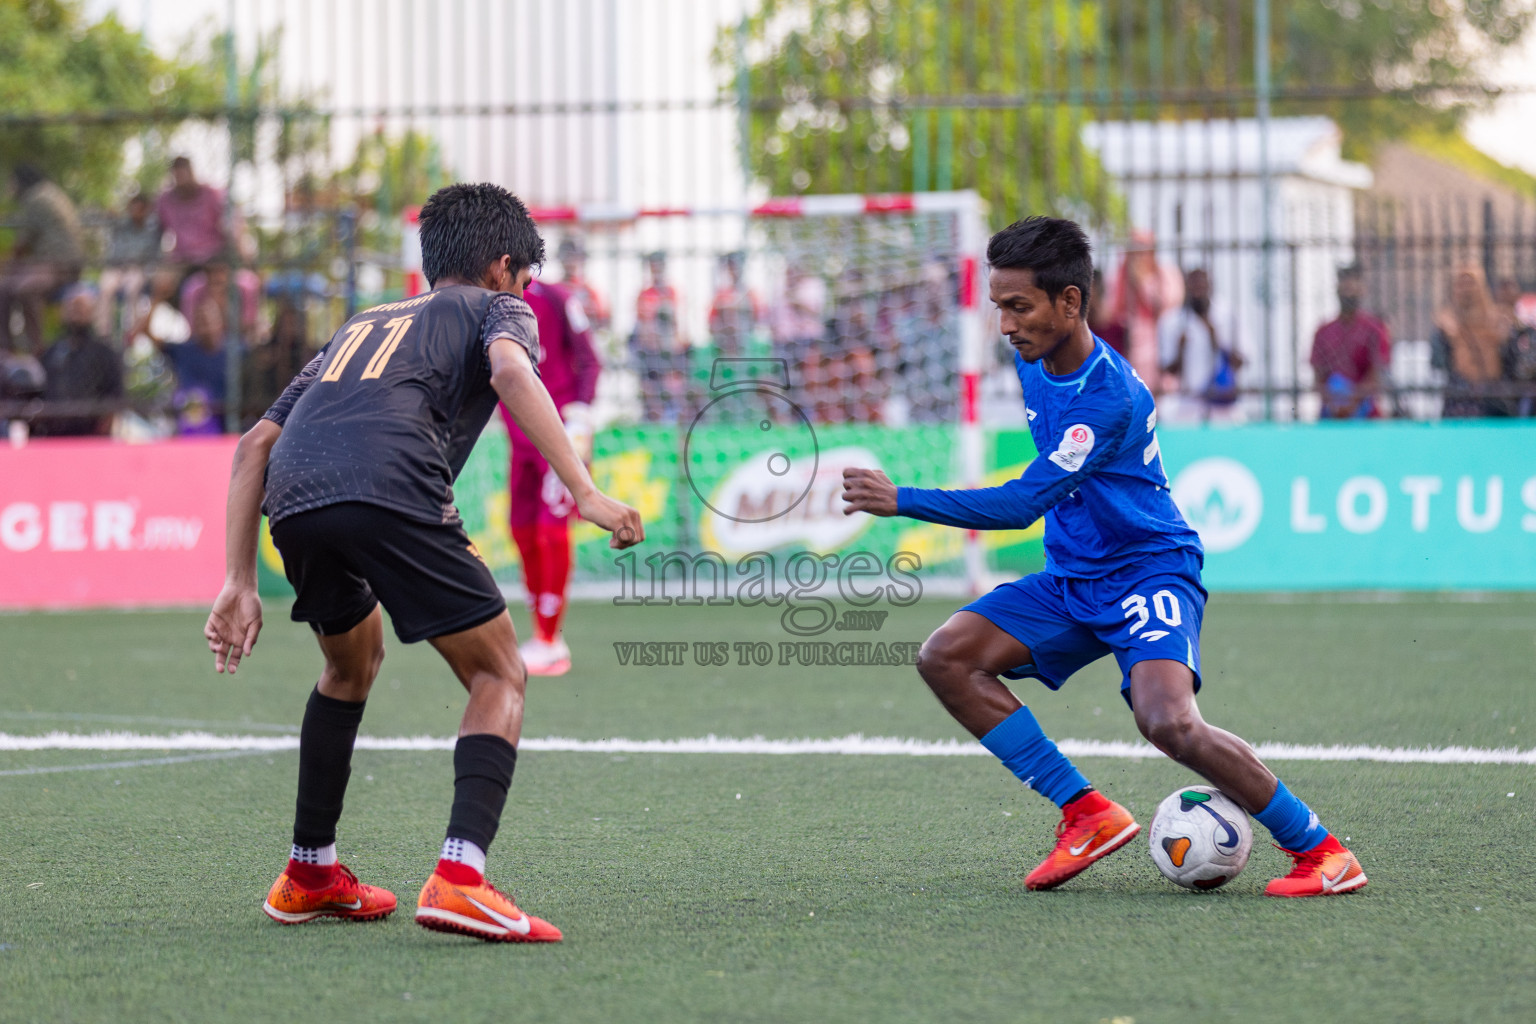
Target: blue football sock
{"x":1021,"y":745}
{"x":1290,"y":821}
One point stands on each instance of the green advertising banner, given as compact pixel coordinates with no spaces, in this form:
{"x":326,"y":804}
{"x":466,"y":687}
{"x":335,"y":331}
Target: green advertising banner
{"x":768,"y":482}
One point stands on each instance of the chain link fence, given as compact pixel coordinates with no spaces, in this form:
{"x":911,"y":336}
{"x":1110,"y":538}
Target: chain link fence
{"x":1239,"y":138}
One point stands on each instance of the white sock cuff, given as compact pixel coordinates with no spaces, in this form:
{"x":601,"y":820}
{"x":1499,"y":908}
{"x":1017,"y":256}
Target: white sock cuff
{"x":463,"y":851}
{"x":321,"y":855}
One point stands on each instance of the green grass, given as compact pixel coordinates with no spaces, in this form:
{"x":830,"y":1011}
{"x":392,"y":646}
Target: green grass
{"x":681,"y":902}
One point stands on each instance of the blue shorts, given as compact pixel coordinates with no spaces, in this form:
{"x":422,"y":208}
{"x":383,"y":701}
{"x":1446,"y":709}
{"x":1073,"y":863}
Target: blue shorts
{"x":1067,"y":623}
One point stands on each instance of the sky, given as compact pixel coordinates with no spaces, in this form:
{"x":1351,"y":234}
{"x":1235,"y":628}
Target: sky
{"x":1505,"y":132}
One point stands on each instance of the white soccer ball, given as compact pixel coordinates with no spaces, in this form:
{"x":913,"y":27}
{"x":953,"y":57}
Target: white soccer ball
{"x":1200,"y":839}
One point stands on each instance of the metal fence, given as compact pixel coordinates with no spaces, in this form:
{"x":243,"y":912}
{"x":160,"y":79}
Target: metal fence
{"x":1231,"y":136}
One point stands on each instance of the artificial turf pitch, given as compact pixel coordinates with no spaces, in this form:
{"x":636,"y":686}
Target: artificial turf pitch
{"x":833,"y":888}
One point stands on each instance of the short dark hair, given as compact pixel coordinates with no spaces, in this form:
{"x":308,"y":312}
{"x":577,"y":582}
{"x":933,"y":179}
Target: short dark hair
{"x":181,"y":161}
{"x":1054,"y":250}
{"x":26,"y":175}
{"x":1351,"y":270}
{"x":464,"y":227}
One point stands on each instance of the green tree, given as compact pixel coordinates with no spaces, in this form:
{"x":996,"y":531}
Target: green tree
{"x":390,"y":173}
{"x":875,"y":95}
{"x":891,"y":95}
{"x":1382,"y":69}
{"x":387,"y":173}
{"x":73,"y":92}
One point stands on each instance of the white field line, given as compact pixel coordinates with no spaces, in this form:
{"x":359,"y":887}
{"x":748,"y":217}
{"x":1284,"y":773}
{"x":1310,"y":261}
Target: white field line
{"x":855,"y":744}
{"x":222,"y":755}
{"x":151,"y":720}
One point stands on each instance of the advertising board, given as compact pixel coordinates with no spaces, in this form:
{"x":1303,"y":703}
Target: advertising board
{"x":1414,"y":506}
{"x":91,"y":523}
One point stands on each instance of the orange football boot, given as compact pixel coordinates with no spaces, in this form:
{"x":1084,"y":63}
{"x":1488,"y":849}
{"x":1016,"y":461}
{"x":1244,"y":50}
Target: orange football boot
{"x":480,"y":911}
{"x":346,"y":897}
{"x":1092,"y":826}
{"x":1325,"y":870}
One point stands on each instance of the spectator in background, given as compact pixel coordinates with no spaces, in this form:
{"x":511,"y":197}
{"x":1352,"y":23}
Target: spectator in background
{"x":48,"y":254}
{"x":212,"y":284}
{"x":659,"y":347}
{"x":1470,"y":341}
{"x":924,"y":385}
{"x":1505,"y":294}
{"x":1520,"y":358}
{"x":735,"y":311}
{"x":200,"y":366}
{"x":798,"y":319}
{"x":1351,"y":355}
{"x":1138,"y":297}
{"x":1112,"y":331}
{"x":270,"y":366}
{"x":133,"y":250}
{"x":841,"y":378}
{"x":192,"y":214}
{"x":572,"y":254}
{"x":81,"y":368}
{"x":1197,"y":349}
{"x":22,"y":382}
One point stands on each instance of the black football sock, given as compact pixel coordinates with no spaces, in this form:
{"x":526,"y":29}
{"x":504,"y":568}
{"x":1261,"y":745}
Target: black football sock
{"x":482,"y":772}
{"x":325,"y":763}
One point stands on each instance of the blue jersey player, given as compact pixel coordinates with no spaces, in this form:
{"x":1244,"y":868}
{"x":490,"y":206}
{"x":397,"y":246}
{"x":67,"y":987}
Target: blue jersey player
{"x":1122,"y":577}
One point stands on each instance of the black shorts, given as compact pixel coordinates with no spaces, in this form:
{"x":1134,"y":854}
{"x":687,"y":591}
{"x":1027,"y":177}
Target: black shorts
{"x":344,"y":559}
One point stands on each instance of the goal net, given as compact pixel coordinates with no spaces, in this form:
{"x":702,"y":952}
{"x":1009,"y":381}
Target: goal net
{"x":749,"y":356}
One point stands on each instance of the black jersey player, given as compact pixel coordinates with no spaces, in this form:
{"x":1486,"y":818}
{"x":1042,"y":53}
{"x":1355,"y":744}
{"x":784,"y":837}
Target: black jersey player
{"x":355,"y":463}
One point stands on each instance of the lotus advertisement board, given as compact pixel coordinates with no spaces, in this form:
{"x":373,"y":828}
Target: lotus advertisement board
{"x":1349,"y":506}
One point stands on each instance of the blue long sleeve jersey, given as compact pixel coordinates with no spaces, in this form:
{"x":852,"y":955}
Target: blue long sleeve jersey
{"x":1098,"y":480}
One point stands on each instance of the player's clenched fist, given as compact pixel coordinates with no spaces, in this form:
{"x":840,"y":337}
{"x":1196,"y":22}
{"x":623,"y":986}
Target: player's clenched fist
{"x":623,"y":521}
{"x":868,"y":490}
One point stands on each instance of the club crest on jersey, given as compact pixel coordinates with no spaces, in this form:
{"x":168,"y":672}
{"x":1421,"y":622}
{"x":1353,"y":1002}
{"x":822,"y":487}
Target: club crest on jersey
{"x":1075,"y":445}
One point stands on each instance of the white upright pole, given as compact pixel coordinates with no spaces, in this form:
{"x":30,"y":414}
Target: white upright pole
{"x":973,"y":458}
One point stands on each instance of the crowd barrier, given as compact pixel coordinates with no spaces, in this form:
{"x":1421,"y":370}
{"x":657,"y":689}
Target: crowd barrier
{"x":1319,"y":507}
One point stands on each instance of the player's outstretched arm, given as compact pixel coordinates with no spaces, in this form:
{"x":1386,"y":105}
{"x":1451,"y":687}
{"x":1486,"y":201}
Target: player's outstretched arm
{"x":1097,"y":429}
{"x":520,"y":390}
{"x":235,"y":621}
{"x":1013,"y":506}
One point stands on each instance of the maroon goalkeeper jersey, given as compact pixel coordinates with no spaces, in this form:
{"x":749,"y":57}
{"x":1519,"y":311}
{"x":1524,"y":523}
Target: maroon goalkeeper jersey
{"x":568,"y":363}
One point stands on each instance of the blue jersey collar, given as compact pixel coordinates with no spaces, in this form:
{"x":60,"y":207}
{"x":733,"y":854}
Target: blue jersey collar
{"x":1079,"y":376}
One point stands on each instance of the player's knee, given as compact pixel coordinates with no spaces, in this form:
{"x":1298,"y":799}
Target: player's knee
{"x":357,"y":667}
{"x":1171,"y":732}
{"x":508,"y":673}
{"x":503,"y":687}
{"x":940,"y":657}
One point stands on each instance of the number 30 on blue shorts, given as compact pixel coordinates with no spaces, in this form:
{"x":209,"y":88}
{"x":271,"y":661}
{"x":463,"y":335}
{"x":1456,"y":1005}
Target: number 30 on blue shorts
{"x":1068,"y":623}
